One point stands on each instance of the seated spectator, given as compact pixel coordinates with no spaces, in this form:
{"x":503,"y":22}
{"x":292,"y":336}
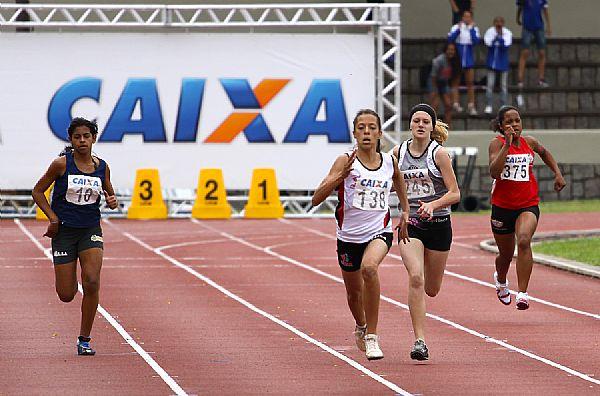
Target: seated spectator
{"x":444,"y":69}
{"x":466,"y":35}
{"x":498,"y":39}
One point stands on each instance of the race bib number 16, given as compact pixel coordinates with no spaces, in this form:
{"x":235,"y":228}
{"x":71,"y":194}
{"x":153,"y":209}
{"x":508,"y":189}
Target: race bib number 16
{"x":83,"y":190}
{"x":516,"y":167}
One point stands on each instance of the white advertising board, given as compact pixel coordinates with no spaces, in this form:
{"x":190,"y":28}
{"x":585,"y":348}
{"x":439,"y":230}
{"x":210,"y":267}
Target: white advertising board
{"x":180,"y":102}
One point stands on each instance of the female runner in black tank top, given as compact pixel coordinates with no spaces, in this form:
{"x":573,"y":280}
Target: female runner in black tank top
{"x":74,"y":228}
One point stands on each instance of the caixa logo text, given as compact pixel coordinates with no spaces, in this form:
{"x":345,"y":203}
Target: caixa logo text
{"x":246,"y":116}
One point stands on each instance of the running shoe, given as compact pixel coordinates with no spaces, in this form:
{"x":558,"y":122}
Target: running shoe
{"x":457,"y":107}
{"x":542,"y":83}
{"x":472,"y":109}
{"x":419,"y":351}
{"x":373,"y":351}
{"x":84,"y":348}
{"x":522,"y":301}
{"x":359,"y":335}
{"x":488,"y":110}
{"x":502,"y":290}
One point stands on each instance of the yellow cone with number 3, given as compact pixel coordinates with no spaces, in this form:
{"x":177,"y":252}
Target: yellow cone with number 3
{"x":211,"y":199}
{"x":146,"y":201}
{"x":263,"y":202}
{"x":39,"y":215}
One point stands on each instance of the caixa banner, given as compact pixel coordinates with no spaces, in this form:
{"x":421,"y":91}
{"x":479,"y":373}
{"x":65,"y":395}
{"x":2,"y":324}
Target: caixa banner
{"x":182,"y":102}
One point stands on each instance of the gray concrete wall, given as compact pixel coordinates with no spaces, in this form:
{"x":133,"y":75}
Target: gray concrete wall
{"x":580,"y":146}
{"x":431,"y":18}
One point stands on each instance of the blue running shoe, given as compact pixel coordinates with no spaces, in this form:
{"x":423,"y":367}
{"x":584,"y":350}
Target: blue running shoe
{"x":84,"y":348}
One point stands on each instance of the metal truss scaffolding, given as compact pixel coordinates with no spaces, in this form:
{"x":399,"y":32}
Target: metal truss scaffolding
{"x":383,"y":20}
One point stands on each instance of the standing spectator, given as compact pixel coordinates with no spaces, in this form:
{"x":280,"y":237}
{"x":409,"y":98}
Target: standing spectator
{"x":460,"y":6}
{"x":466,"y":35}
{"x":529,"y":15}
{"x":444,"y":69}
{"x":498,"y":39}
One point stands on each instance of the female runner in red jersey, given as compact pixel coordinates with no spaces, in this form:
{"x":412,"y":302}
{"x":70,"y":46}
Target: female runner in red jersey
{"x":515,"y":199}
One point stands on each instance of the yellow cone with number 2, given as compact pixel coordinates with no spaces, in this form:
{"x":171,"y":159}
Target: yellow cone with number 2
{"x":211,"y":199}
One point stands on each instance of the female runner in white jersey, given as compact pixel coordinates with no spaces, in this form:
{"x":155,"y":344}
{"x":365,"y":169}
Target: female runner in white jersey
{"x":364,"y":226}
{"x":431,"y":186}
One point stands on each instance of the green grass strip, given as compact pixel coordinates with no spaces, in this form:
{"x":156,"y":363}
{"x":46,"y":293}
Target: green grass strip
{"x":585,"y":250}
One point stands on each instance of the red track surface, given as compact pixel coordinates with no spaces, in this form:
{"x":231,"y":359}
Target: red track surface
{"x":210,"y":343}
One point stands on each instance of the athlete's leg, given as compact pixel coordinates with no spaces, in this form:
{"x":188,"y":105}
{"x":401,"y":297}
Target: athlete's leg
{"x":91,"y":263}
{"x":354,"y":293}
{"x":434,"y":266}
{"x":65,"y":276}
{"x":373,"y":256}
{"x":506,"y":247}
{"x":525,"y":227}
{"x":413,"y":258}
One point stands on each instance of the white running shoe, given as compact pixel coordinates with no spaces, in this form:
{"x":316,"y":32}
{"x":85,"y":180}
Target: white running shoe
{"x":520,"y":100}
{"x":488,"y":110}
{"x":472,"y":109}
{"x":359,"y":335}
{"x":372,"y":346}
{"x":457,"y":107}
{"x":502,"y":290}
{"x":522,"y":301}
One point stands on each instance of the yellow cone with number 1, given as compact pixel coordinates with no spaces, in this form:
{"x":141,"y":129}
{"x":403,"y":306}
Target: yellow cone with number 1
{"x":263,"y":202}
{"x":146,"y":201}
{"x":211,"y":199}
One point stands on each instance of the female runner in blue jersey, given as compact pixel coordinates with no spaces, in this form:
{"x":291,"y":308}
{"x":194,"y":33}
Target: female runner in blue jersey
{"x":79,"y":180}
{"x":363,"y":179}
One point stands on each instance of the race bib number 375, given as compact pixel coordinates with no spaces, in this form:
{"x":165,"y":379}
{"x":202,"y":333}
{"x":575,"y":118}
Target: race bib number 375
{"x":516,"y":167}
{"x":371,"y":194}
{"x":83,"y":190}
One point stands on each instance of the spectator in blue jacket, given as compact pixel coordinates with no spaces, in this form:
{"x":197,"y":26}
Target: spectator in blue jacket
{"x":529,"y":14}
{"x":466,"y":35}
{"x":498,"y":39}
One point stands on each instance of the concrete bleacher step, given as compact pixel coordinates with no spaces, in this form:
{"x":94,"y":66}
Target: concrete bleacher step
{"x":572,"y":70}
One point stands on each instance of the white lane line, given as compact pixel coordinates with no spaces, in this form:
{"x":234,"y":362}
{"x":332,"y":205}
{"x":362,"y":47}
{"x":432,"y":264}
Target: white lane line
{"x":126,"y":336}
{"x":404,"y":306}
{"x":344,"y":358}
{"x":464,"y":277}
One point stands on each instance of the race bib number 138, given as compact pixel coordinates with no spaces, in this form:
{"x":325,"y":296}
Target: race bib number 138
{"x":371,"y":195}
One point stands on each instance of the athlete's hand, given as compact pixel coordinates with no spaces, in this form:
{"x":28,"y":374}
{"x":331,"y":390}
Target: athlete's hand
{"x":111,"y":200}
{"x":52,"y":229}
{"x":559,"y":183}
{"x":425,"y":211}
{"x":509,"y":135}
{"x":403,"y":229}
{"x":348,"y":166}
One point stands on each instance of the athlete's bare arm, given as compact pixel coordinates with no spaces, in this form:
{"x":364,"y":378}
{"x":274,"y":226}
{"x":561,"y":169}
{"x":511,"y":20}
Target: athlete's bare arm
{"x":338,"y":172}
{"x":400,"y":188}
{"x":546,"y":156}
{"x":56,"y":169}
{"x":109,"y":192}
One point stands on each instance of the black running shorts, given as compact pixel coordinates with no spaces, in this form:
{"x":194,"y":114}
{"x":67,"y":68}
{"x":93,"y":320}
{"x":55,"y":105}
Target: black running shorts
{"x":503,"y":220}
{"x":436,"y":234}
{"x":350,"y":254}
{"x":69,"y":241}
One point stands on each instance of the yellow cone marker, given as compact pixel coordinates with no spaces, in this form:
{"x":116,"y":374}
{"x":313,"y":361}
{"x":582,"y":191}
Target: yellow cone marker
{"x":211,"y":199}
{"x":147,"y":202}
{"x":263,"y":202}
{"x":39,"y":215}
